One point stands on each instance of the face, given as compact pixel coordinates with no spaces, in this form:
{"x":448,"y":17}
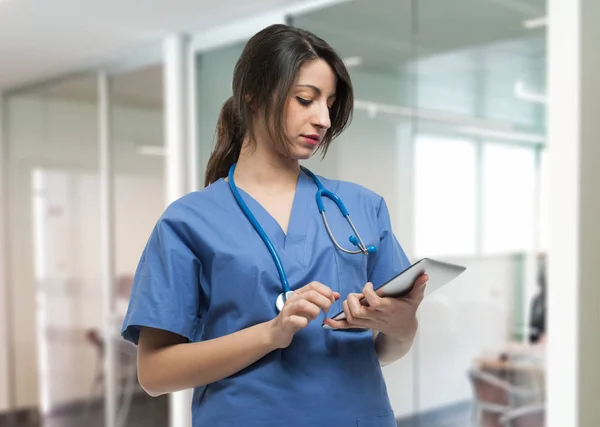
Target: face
{"x":307,"y":110}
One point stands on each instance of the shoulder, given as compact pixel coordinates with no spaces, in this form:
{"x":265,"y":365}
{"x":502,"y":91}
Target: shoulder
{"x":196,"y":206}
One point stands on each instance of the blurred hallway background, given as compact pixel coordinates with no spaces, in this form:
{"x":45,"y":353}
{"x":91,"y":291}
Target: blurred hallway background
{"x":106,"y":120}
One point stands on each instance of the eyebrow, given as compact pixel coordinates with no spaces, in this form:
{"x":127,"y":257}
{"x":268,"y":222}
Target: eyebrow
{"x":316,"y":90}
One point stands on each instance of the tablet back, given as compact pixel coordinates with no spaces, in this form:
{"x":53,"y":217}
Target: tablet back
{"x":440,"y":273}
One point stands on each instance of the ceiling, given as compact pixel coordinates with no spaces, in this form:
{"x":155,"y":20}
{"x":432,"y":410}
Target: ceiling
{"x":453,"y":39}
{"x":140,"y":88}
{"x":387,"y":33}
{"x":40,"y":39}
{"x":455,"y":56}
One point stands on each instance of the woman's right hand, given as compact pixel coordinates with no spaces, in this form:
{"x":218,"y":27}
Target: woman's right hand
{"x":302,"y":307}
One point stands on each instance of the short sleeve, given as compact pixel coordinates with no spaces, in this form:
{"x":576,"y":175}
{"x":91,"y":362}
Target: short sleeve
{"x":390,"y":259}
{"x":166,"y":288}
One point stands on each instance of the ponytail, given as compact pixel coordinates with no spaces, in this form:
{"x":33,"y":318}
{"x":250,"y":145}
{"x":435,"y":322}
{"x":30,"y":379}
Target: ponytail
{"x":228,"y":143}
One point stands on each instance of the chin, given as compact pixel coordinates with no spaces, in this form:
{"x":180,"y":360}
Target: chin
{"x":303,"y":156}
{"x":303,"y":153}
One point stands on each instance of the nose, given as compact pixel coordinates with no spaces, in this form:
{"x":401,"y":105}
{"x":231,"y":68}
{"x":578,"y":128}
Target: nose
{"x":321,"y":118}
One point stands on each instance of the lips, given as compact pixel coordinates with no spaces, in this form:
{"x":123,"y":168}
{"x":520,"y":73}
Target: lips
{"x":312,"y":139}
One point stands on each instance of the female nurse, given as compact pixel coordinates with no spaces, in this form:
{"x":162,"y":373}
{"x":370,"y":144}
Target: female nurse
{"x":203,"y":307}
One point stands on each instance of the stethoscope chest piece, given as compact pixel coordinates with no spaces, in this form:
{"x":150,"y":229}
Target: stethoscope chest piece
{"x":280,"y":302}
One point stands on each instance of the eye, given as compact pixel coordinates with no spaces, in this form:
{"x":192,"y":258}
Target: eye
{"x":331,"y":105}
{"x":302,"y":101}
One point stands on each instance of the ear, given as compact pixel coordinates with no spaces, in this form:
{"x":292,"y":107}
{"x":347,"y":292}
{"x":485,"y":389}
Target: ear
{"x":250,"y":100}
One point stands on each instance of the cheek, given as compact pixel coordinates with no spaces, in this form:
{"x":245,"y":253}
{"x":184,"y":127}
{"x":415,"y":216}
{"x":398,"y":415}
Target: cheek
{"x":294,"y":118}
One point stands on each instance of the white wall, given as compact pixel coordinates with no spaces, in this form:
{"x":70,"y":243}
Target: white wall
{"x":60,"y":137}
{"x":573,"y":294}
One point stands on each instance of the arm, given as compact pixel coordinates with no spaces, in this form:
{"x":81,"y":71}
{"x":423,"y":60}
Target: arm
{"x":401,"y":321}
{"x":393,"y":320}
{"x":389,"y":261}
{"x":167,"y":363}
{"x":391,"y":349}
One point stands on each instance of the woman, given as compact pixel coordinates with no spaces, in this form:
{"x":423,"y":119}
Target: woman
{"x":203,"y":308}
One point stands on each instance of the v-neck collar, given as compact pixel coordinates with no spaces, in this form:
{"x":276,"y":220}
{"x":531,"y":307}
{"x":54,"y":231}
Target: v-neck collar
{"x":299,"y":215}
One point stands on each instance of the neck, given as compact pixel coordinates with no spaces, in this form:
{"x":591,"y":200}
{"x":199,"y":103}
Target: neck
{"x":258,"y":166}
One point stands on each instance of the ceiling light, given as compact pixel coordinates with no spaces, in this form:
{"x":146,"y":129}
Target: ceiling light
{"x":374,"y":108}
{"x":151,"y":150}
{"x":496,"y":134}
{"x":525,"y":95}
{"x":531,"y":24}
{"x":353,"y":61}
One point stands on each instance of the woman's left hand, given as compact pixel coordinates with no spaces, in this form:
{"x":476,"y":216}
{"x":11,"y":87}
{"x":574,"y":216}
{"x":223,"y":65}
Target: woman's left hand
{"x":394,"y":317}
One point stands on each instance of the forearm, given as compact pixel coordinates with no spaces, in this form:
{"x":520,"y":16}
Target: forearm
{"x":184,"y":366}
{"x":390,"y":349}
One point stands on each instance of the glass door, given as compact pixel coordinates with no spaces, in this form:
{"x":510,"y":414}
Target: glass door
{"x":54,"y":246}
{"x":137,"y":200}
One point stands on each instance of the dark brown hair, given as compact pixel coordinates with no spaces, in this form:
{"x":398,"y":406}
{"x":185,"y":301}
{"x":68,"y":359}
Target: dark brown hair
{"x":262,"y":80}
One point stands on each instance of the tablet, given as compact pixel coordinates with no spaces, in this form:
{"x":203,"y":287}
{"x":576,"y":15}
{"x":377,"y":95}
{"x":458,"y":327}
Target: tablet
{"x":440,"y":273}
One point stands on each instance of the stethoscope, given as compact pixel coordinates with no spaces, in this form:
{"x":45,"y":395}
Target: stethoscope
{"x":355,"y":239}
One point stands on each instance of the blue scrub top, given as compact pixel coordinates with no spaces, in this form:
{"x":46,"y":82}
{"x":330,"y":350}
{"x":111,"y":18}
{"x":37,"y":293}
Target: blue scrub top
{"x":205,"y":273}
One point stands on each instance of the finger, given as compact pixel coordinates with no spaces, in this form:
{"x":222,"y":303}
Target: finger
{"x":356,"y":309}
{"x":422,"y":279}
{"x":349,"y":322}
{"x":343,"y":324}
{"x":338,"y":324}
{"x":302,"y":307}
{"x":319,"y":287}
{"x":296,"y":322}
{"x":318,"y":299}
{"x":374,"y":300}
{"x":347,"y":312}
{"x":418,"y":291}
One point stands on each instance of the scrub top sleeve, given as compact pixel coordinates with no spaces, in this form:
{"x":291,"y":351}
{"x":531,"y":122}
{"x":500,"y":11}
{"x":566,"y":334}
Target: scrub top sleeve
{"x":166,"y":289}
{"x":390,"y":259}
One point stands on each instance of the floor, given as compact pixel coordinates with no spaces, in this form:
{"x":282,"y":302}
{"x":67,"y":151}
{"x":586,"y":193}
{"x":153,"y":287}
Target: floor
{"x":153,"y":412}
{"x":145,"y":412}
{"x":459,"y":415}
{"x":68,"y":385}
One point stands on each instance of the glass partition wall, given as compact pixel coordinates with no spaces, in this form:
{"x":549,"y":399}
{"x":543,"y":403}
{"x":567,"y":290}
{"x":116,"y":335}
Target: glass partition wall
{"x":53,"y":257}
{"x":57,"y":217}
{"x":450,"y":111}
